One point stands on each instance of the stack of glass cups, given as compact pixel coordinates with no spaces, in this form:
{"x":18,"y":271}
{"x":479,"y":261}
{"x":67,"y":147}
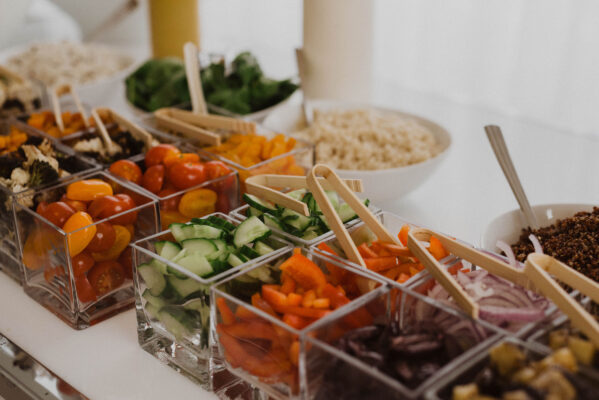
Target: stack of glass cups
{"x":173,"y":308}
{"x":10,"y":257}
{"x":48,"y":270}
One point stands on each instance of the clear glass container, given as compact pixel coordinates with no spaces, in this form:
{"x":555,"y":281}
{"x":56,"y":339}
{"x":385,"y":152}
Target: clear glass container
{"x":175,"y":327}
{"x":260,"y":347}
{"x":10,"y":258}
{"x":468,"y":370}
{"x":241,"y":214}
{"x":50,"y":257}
{"x":47,"y":125}
{"x":225,"y":189}
{"x":412,"y":353}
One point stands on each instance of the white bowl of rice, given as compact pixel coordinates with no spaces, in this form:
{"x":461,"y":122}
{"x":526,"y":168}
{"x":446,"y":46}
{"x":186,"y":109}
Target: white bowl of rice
{"x":391,"y":151}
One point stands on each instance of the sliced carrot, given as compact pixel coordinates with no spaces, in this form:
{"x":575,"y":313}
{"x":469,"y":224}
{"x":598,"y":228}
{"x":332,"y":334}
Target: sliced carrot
{"x":335,"y":295}
{"x":304,"y":272}
{"x":296,"y":321}
{"x":243,"y":313}
{"x":226,"y":314}
{"x":259,"y":303}
{"x":309,"y":298}
{"x":403,"y":235}
{"x":437,"y":249}
{"x":321,"y":303}
{"x":397,"y":250}
{"x":294,"y":351}
{"x":250,"y":330}
{"x":381,"y":263}
{"x":366,"y":252}
{"x":403,"y":278}
{"x":272,"y":295}
{"x":302,"y":311}
{"x":294,"y":299}
{"x":288,"y":285}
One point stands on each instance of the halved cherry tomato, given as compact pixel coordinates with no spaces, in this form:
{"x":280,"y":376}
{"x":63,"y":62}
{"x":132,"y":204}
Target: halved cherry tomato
{"x":172,"y":159}
{"x":79,"y":240}
{"x":154,"y":178}
{"x":103,"y":239}
{"x":82,"y":263}
{"x":106,"y":276}
{"x":127,"y":169}
{"x":156,"y":154}
{"x":172,"y":202}
{"x":57,"y":212}
{"x":88,"y":189}
{"x":168,"y":217}
{"x":75,"y":204}
{"x":126,"y":262}
{"x":85,"y":291}
{"x":197,"y":203}
{"x":123,"y":237}
{"x":184,"y":175}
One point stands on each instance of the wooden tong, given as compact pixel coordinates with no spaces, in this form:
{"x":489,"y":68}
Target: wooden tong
{"x":102,"y":112}
{"x":261,"y":186}
{"x":198,"y":126}
{"x":540,"y":267}
{"x":55,"y":95}
{"x":337,"y":184}
{"x":192,"y":71}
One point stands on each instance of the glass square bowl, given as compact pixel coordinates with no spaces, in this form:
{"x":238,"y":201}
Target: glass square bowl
{"x":241,"y":214}
{"x":410,"y":342}
{"x":43,"y":120}
{"x":10,"y":258}
{"x":478,"y":367}
{"x":179,"y":206}
{"x":260,"y":332}
{"x":173,"y":307}
{"x":61,"y":271}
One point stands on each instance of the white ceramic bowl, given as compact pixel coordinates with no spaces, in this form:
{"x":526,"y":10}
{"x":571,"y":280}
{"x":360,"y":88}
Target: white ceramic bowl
{"x":508,"y":226}
{"x":379,"y":185}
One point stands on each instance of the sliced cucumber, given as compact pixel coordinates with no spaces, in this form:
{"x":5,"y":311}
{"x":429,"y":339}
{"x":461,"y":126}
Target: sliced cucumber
{"x":177,"y":231}
{"x":261,"y":273}
{"x":153,"y":278}
{"x":297,"y":194}
{"x":259,"y":204}
{"x":172,"y":271}
{"x":196,"y":264}
{"x":272,"y":222}
{"x":234,"y":261}
{"x":196,"y":305}
{"x":198,"y":231}
{"x":166,"y":249}
{"x":204,"y":247}
{"x":185,"y":287}
{"x":248,"y":252}
{"x":310,"y":235}
{"x":175,"y":321}
{"x":151,"y":310}
{"x":214,"y":221}
{"x":221,"y":252}
{"x":254,"y":212}
{"x":249,"y":230}
{"x":153,"y":300}
{"x":346,"y":213}
{"x":262,"y":248}
{"x":333,"y":198}
{"x":160,"y":266}
{"x":295,"y":219}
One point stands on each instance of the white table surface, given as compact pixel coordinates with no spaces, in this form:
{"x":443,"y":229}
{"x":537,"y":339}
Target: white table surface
{"x":105,"y":361}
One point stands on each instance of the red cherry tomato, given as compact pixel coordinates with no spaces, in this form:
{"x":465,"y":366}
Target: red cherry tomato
{"x":222,"y":203}
{"x":127,"y":169}
{"x":154,"y":178}
{"x":103,"y":239}
{"x":126,"y":262}
{"x":97,"y":207}
{"x":82,"y":263}
{"x":58,"y":213}
{"x":75,"y":204}
{"x":108,"y":206}
{"x":184,"y":175}
{"x":173,"y":159}
{"x":128,"y":203}
{"x":41,"y":207}
{"x":170,"y":204}
{"x":156,"y":154}
{"x":85,"y":291}
{"x":216,"y":169}
{"x":106,"y":276}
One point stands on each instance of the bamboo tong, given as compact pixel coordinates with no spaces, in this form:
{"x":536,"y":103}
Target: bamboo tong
{"x":535,"y":276}
{"x":261,"y":186}
{"x":99,"y":113}
{"x":198,"y":124}
{"x":55,"y":95}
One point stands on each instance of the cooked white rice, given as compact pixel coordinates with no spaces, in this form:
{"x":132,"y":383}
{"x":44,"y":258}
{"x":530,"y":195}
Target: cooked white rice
{"x":368,"y":139}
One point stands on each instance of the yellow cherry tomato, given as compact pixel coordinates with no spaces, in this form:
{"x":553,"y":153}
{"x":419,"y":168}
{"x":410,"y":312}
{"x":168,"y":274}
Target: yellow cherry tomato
{"x":197,"y":203}
{"x":88,"y":189}
{"x":79,"y":240}
{"x":122,"y":239}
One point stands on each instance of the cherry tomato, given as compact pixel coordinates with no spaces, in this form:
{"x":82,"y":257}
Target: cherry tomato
{"x":138,"y":199}
{"x":88,"y":189}
{"x":82,"y":263}
{"x":127,"y":170}
{"x":85,"y":232}
{"x":57,"y":213}
{"x":122,"y":239}
{"x":156,"y":154}
{"x":222,"y":204}
{"x":108,"y":206}
{"x":197,"y":203}
{"x":127,"y":203}
{"x":103,"y":239}
{"x":75,"y":204}
{"x":172,"y":159}
{"x":154,"y":178}
{"x":217,"y":169}
{"x":126,"y":262}
{"x":172,"y":202}
{"x":168,"y":217}
{"x":106,"y":276}
{"x":187,"y":174}
{"x":85,"y":291}
{"x":41,"y":207}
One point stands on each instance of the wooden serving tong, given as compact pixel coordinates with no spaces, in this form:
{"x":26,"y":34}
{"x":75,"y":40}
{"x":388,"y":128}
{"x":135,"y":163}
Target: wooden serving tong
{"x":107,"y":113}
{"x":59,"y":91}
{"x":261,"y":186}
{"x":337,"y":184}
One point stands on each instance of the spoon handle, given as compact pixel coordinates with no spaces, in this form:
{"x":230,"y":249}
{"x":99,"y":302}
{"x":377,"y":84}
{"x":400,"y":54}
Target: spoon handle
{"x":503,"y":157}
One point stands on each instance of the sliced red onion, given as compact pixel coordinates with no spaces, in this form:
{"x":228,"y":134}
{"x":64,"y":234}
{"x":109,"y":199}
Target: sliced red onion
{"x":511,"y":314}
{"x":509,"y":253}
{"x":536,"y":244}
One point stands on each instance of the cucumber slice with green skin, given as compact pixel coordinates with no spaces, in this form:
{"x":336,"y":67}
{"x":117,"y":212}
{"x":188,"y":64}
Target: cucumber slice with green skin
{"x":249,"y":230}
{"x":196,"y":305}
{"x":259,"y":204}
{"x":221,"y":252}
{"x":234,"y":261}
{"x":310,"y":235}
{"x":153,"y":278}
{"x":177,"y":231}
{"x":156,"y":301}
{"x":249,"y":253}
{"x":151,"y":310}
{"x":196,"y":264}
{"x":185,"y":287}
{"x":204,"y":247}
{"x":172,"y":271}
{"x":272,"y":222}
{"x":160,"y":266}
{"x":346,"y":213}
{"x":261,"y":273}
{"x":198,"y":231}
{"x":295,"y":219}
{"x":215,"y":222}
{"x":262,"y":248}
{"x":175,"y":320}
{"x":166,"y":249}
{"x":254,"y":212}
{"x":297,"y":194}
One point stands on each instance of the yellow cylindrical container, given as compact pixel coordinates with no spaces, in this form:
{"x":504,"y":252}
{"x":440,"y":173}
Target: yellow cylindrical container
{"x":172,"y":24}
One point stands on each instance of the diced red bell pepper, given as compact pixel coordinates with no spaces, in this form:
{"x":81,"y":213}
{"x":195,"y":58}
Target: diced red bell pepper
{"x":304,"y":272}
{"x":296,"y":321}
{"x":336,"y":296}
{"x":381,"y":263}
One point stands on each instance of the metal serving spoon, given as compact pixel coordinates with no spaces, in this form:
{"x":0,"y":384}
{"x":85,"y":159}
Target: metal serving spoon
{"x":503,"y":157}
